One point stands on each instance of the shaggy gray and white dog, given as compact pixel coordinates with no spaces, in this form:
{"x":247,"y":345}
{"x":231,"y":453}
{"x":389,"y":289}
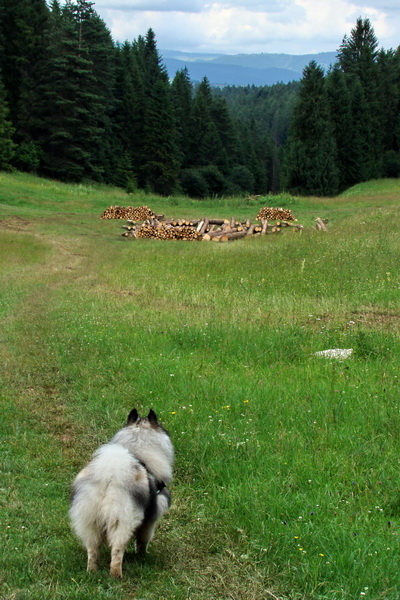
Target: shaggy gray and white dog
{"x":122,"y":492}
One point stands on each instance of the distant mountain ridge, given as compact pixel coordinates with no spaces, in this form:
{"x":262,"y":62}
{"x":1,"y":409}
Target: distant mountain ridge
{"x":243,"y":69}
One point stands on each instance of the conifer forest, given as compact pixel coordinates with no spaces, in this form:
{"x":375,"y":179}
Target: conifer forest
{"x":77,"y":106}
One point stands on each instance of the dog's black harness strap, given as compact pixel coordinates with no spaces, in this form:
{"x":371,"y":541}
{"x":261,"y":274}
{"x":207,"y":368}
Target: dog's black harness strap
{"x":160,"y":486}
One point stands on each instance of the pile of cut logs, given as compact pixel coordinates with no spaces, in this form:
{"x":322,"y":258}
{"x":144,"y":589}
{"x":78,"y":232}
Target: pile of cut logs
{"x":214,"y":230}
{"x":274,"y":214}
{"x":163,"y":231}
{"x":136,"y":213}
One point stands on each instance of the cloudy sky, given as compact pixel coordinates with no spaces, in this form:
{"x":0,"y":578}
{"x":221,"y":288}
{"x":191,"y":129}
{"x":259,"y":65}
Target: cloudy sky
{"x":249,"y":26}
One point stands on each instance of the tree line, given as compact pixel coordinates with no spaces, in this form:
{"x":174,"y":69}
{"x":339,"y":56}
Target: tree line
{"x":345,"y":127}
{"x":330,"y":131}
{"x":75,"y":106}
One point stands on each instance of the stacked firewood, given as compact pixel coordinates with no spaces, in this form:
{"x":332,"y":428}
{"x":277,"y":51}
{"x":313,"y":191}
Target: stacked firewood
{"x":162,"y":231}
{"x":136,"y":213}
{"x":215,"y":230}
{"x":274,"y":214}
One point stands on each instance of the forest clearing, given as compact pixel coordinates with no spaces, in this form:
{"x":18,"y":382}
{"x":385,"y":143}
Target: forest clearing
{"x":287,"y":466}
{"x":272,"y":361}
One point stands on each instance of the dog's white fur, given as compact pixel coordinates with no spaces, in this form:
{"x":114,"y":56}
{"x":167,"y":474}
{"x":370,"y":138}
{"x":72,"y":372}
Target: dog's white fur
{"x":121,"y":493}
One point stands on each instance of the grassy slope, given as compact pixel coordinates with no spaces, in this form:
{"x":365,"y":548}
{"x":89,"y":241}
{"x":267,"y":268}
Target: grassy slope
{"x":287,"y":465}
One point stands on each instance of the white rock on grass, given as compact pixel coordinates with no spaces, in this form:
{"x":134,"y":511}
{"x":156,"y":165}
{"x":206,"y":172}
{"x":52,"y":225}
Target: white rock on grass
{"x":336,"y":353}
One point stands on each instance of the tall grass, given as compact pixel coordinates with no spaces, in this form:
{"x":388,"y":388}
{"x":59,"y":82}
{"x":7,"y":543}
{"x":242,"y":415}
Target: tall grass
{"x":287,"y":464}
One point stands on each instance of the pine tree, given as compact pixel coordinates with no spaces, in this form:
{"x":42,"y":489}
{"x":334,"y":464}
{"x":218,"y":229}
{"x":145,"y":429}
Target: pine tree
{"x":182,"y":100}
{"x":75,"y":99}
{"x":96,"y":37}
{"x":7,"y":145}
{"x":205,"y":143}
{"x":310,"y":160}
{"x":160,"y":164}
{"x":128,"y":116}
{"x":152,"y":64}
{"x":24,"y":29}
{"x":358,"y":53}
{"x":64,"y":101}
{"x":361,"y":164}
{"x":159,"y":157}
{"x":357,"y":57}
{"x":389,"y":104}
{"x":340,"y":103}
{"x":226,"y":134}
{"x":255,"y":154}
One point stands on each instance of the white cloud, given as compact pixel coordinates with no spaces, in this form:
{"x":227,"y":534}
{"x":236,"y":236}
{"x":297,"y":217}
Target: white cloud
{"x":149,"y":5}
{"x":384,"y":5}
{"x":253,"y":26}
{"x":253,"y":5}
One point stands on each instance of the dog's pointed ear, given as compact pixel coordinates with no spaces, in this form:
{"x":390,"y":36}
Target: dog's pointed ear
{"x":152,"y":417}
{"x":132,"y":417}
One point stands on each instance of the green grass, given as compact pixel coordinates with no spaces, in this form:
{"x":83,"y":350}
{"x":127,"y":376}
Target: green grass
{"x":287,"y":468}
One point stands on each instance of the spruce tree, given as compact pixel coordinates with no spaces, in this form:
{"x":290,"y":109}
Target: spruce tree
{"x":205,"y":143}
{"x":340,"y":103}
{"x":310,"y":160}
{"x":152,"y":64}
{"x":357,"y":57}
{"x":7,"y":146}
{"x":128,"y":117}
{"x":65,"y":101}
{"x":389,"y":110}
{"x":159,"y":157}
{"x":75,"y":99}
{"x":226,"y":134}
{"x":182,"y":100}
{"x":96,"y":37}
{"x":24,"y":27}
{"x":160,"y":163}
{"x":358,"y":52}
{"x":361,"y":165}
{"x":254,"y":154}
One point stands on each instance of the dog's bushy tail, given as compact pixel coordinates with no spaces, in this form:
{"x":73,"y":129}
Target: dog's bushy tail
{"x":105,"y":502}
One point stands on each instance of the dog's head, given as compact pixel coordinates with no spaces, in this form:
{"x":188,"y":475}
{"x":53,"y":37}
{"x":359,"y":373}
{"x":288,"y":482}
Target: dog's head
{"x":148,"y":422}
{"x":149,"y":442}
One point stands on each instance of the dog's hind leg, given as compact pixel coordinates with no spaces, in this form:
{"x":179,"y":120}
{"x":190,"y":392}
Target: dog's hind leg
{"x":119,"y":539}
{"x":92,"y":558}
{"x":117,"y":556}
{"x":93,"y":543}
{"x":145,"y":532}
{"x":144,"y":536}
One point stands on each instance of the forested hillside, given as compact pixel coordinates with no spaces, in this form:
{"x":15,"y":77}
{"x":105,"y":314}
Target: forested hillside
{"x":243,"y":69}
{"x":75,"y":105}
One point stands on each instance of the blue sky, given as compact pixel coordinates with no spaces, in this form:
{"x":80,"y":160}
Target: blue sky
{"x":252,"y":26}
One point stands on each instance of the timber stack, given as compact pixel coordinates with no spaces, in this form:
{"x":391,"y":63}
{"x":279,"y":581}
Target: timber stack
{"x":165,"y":231}
{"x":206,"y":230}
{"x":275,"y":214}
{"x":136,"y":213}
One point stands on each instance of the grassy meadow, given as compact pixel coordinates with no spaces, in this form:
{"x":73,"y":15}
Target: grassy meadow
{"x":287,"y":478}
